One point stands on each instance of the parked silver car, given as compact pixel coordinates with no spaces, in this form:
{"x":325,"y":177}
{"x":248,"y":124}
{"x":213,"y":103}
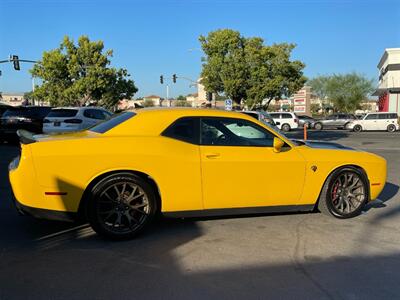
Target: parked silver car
{"x":339,"y":121}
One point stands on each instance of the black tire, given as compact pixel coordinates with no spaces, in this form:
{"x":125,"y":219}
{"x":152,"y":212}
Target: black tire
{"x":285,"y":127}
{"x":333,"y":197}
{"x":391,"y":128}
{"x":318,"y":126}
{"x":357,"y":128}
{"x":125,"y":214}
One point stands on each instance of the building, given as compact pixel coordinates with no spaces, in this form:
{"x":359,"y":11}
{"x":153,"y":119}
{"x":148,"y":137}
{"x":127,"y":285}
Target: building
{"x":302,"y":101}
{"x":389,"y":81}
{"x":13,"y":99}
{"x":157,"y":100}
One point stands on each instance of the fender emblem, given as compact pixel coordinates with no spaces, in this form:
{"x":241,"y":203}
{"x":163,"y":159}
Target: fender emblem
{"x":314,"y":168}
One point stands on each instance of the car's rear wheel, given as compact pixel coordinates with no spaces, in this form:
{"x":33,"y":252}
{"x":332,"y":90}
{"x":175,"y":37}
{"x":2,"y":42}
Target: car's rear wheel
{"x":357,"y":128}
{"x":286,"y":127}
{"x":344,"y":194}
{"x":318,"y":126}
{"x":121,"y":206}
{"x":391,"y":128}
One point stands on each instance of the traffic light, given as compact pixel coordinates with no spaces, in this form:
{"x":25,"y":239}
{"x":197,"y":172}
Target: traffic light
{"x":16,"y":62}
{"x":174,"y":78}
{"x":161,"y":79}
{"x":209,"y":96}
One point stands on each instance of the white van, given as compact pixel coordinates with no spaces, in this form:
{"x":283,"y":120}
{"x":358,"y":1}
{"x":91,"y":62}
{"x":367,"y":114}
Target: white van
{"x":376,"y":121}
{"x":285,"y":121}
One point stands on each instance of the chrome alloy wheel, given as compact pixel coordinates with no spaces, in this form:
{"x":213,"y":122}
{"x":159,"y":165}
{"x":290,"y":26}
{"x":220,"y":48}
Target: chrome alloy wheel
{"x":348,"y":193}
{"x":123,"y":207}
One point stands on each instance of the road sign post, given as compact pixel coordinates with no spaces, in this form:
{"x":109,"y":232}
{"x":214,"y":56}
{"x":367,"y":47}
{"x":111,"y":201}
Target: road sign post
{"x":228,"y":104}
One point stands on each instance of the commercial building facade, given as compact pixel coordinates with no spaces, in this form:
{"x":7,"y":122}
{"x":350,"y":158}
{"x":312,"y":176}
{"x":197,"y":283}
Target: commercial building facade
{"x":388,"y":90}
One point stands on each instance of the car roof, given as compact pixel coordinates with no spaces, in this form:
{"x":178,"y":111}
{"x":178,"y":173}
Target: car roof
{"x":152,"y":121}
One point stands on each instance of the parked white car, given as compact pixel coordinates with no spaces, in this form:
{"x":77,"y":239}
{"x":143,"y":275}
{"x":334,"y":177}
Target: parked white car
{"x":376,"y":121}
{"x":68,"y":119}
{"x":285,"y":121}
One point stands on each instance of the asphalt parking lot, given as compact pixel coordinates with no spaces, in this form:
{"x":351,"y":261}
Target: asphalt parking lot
{"x":285,"y":256}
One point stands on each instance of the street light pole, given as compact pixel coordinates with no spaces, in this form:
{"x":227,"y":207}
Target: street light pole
{"x":168,"y":95}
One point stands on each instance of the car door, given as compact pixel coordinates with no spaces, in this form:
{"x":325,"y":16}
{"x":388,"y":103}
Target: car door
{"x":330,"y":121}
{"x":370,"y":122}
{"x":277,"y":119}
{"x":240,"y":168}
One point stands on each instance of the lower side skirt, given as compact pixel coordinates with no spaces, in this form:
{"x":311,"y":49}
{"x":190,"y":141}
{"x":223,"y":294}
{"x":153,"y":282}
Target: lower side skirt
{"x":238,"y":211}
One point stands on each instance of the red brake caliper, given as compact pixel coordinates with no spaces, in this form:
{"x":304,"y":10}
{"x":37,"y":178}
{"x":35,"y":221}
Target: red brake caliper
{"x":334,"y":192}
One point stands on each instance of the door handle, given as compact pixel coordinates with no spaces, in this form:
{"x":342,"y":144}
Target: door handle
{"x":212,"y":155}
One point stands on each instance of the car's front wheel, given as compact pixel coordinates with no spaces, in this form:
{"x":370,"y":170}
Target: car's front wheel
{"x":357,"y":128}
{"x":318,"y":126}
{"x":344,"y":194}
{"x":121,"y":206}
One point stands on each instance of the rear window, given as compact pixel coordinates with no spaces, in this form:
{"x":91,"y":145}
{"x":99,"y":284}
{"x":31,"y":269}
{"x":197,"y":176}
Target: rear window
{"x":15,"y":112}
{"x":62,"y":113}
{"x":112,"y":122}
{"x":286,"y":116}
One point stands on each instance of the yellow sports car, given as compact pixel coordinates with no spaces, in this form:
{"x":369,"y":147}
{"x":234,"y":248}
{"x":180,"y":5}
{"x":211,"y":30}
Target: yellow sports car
{"x":186,"y":162}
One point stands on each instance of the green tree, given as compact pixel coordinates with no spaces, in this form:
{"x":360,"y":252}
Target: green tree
{"x":246,"y":69}
{"x":348,"y":90}
{"x":319,"y":86}
{"x":314,"y":108}
{"x":224,"y":67}
{"x":181,"y":97}
{"x":73,"y":75}
{"x":182,"y":103}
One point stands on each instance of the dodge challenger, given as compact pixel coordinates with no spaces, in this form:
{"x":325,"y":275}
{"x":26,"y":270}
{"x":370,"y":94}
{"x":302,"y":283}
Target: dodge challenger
{"x":186,"y":162}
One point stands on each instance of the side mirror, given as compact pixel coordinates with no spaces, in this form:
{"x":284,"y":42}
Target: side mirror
{"x":278,"y":144}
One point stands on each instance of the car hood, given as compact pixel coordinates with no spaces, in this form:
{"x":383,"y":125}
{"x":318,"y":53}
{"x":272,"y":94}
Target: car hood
{"x":325,"y":145}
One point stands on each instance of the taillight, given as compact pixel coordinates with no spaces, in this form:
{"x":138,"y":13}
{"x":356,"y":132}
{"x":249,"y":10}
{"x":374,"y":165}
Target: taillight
{"x":296,"y":120}
{"x":73,"y":121}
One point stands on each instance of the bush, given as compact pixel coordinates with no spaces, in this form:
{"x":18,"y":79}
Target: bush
{"x":182,"y":103}
{"x":148,"y":103}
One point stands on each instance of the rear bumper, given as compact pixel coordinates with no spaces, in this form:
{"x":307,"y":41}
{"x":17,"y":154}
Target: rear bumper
{"x":40,"y":213}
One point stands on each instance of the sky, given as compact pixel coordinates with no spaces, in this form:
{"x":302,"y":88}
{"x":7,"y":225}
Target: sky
{"x":154,"y":37}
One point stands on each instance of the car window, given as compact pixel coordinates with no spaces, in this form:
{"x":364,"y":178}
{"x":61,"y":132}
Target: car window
{"x":393,"y":116}
{"x":275,"y":116}
{"x":383,"y":116}
{"x":234,"y":132}
{"x":114,"y":121}
{"x":331,"y":117}
{"x":94,"y":114}
{"x":184,"y":129}
{"x":286,"y":116}
{"x":62,"y":113}
{"x":371,"y":117}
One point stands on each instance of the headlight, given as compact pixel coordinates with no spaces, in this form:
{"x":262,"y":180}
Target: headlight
{"x":14,"y":163}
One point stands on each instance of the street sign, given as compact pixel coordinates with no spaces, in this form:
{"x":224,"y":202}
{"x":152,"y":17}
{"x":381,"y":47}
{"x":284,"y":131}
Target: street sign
{"x":228,"y":104}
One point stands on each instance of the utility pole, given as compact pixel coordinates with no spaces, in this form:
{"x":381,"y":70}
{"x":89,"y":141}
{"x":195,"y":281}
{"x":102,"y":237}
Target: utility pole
{"x":169,"y":101}
{"x":33,"y":90}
